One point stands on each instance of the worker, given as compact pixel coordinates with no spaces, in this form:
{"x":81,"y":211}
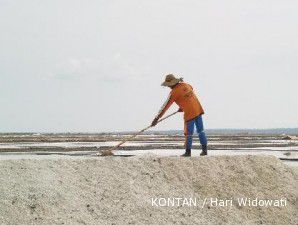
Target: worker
{"x":183,"y":95}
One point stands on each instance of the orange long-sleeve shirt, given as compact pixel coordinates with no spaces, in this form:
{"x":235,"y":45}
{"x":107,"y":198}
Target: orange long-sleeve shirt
{"x":184,"y":96}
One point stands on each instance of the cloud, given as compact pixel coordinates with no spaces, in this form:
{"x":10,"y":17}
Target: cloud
{"x":76,"y":68}
{"x":114,"y":68}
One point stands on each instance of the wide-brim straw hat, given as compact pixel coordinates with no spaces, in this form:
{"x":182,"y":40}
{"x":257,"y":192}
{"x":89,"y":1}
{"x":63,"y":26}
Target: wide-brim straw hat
{"x":171,"y":80}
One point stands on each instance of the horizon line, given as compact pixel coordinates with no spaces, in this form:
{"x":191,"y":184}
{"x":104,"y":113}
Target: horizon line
{"x":152,"y":131}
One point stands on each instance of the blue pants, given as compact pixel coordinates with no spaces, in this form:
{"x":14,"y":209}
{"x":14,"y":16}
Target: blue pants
{"x":189,"y":130}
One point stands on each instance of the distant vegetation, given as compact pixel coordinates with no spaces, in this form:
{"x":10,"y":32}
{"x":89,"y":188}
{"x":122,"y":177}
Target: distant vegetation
{"x":275,"y":131}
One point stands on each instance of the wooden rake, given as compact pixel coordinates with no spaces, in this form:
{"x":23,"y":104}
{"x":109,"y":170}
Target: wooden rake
{"x":109,"y":152}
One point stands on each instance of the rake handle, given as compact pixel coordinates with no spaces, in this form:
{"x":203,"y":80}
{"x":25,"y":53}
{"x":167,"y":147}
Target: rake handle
{"x":141,"y":131}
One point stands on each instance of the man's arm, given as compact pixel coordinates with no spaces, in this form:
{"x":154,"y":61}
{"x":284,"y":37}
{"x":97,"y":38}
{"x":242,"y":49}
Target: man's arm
{"x":163,"y":109}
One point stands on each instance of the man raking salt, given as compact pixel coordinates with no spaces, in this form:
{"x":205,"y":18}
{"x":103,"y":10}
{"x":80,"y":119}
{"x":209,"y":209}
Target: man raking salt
{"x":183,"y":95}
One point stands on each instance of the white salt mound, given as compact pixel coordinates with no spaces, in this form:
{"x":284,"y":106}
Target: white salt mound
{"x":113,"y":190}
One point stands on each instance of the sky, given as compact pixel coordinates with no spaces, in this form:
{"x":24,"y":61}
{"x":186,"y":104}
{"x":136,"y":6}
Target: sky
{"x":97,"y":65}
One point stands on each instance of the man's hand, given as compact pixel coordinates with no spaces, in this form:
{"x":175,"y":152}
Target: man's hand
{"x":154,"y":122}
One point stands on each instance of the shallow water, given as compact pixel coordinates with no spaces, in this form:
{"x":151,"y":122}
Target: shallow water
{"x":79,"y":146}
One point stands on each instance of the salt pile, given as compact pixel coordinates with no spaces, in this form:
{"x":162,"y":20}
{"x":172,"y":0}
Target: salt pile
{"x":288,"y":137}
{"x":113,"y":190}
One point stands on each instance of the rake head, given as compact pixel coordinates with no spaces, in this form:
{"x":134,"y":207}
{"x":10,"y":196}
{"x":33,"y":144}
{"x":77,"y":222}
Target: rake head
{"x":106,"y":153}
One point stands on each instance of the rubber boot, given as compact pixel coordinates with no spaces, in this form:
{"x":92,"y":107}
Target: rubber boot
{"x":204,"y":150}
{"x":187,"y":153}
